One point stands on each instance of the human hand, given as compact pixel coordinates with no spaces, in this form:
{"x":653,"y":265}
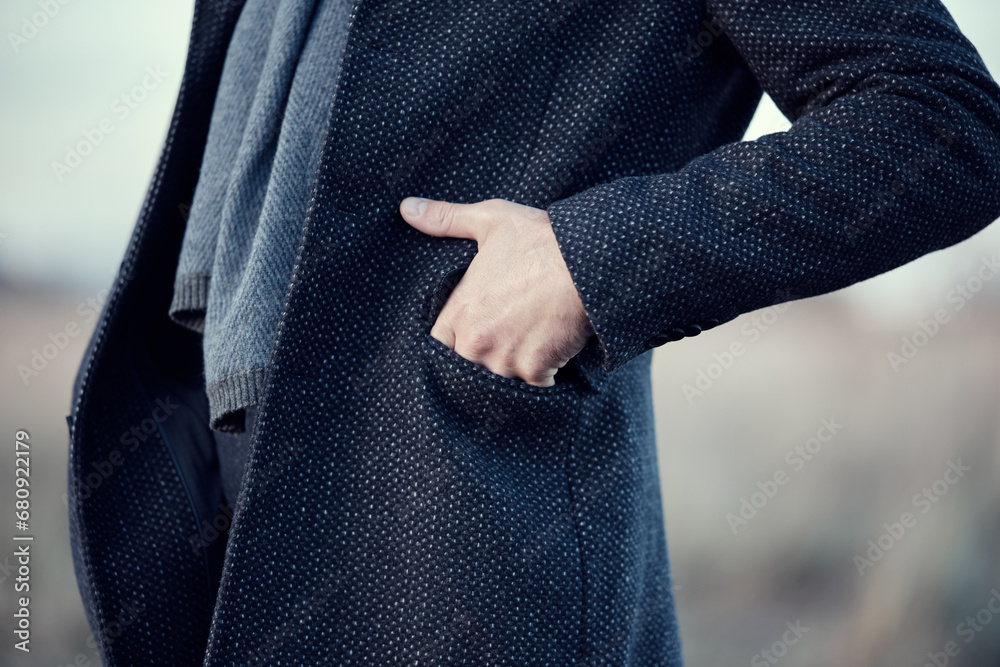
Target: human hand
{"x":515,"y":311}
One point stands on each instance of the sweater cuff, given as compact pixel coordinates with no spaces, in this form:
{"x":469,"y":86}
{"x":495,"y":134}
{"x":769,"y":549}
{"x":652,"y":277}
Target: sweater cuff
{"x":229,"y":396}
{"x":190,"y":300}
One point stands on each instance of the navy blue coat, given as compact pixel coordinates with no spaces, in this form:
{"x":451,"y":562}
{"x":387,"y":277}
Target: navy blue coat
{"x":404,"y":506}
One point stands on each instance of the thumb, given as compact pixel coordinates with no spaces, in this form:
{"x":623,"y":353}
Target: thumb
{"x":440,"y":218}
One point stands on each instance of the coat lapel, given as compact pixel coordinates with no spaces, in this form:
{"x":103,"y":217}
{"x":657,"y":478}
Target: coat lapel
{"x":424,"y":103}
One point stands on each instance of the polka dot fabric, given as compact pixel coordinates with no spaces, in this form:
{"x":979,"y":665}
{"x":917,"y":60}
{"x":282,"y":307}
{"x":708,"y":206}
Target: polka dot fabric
{"x":403,"y":506}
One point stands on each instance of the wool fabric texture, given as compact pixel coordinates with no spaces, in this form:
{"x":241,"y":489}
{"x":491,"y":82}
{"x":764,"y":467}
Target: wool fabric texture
{"x":402,"y":505}
{"x":248,"y":208}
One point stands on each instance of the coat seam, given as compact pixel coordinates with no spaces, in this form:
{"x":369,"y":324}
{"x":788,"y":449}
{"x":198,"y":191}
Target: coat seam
{"x":569,"y":470}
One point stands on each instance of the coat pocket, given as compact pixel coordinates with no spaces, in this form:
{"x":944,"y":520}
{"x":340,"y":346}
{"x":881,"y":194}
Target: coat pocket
{"x":457,"y":368}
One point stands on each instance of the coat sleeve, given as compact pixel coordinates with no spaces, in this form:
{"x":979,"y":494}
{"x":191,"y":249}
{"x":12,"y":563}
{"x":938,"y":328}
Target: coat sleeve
{"x":893,"y":152}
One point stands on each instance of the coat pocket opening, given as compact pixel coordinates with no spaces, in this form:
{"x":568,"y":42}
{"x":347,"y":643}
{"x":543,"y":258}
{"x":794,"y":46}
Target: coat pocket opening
{"x":569,"y":376}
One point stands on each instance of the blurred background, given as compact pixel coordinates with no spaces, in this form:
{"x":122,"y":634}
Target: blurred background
{"x":786,"y":469}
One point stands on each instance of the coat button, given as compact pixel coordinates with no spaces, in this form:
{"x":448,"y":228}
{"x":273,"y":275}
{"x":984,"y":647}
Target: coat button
{"x":656,"y":341}
{"x":662,"y":338}
{"x":692,"y":330}
{"x":675,"y":334}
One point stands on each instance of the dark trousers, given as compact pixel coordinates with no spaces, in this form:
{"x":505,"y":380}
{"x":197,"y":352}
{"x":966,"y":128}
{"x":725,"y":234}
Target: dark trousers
{"x":233,"y":449}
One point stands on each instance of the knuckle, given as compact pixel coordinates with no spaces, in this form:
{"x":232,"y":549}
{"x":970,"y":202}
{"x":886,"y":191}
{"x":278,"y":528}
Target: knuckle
{"x":538,"y":378}
{"x":443,"y":217}
{"x":534,"y":370}
{"x":480,"y":339}
{"x":506,"y":365}
{"x":495,"y":210}
{"x":509,"y":363}
{"x":507,"y":371}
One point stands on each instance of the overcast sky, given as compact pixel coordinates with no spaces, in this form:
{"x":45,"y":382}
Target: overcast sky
{"x":69,"y":78}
